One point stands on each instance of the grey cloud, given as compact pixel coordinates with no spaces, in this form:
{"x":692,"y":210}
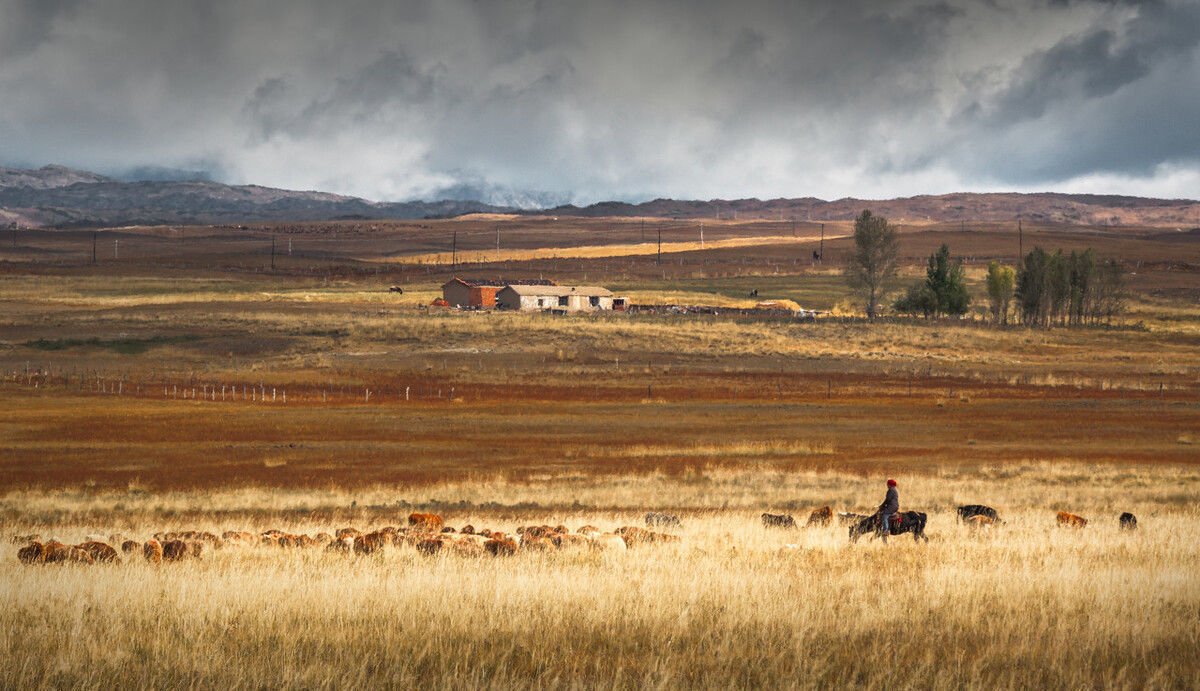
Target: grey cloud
{"x":579,"y":101}
{"x":28,"y":23}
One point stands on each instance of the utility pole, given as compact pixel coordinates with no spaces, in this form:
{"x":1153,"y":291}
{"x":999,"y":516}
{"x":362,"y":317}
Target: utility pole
{"x":272,"y":253}
{"x":289,"y":247}
{"x":793,"y":227}
{"x":1020,"y":243}
{"x":821,"y":252}
{"x":454,"y":252}
{"x":116,"y":249}
{"x":659,"y":261}
{"x":497,"y":243}
{"x":701,"y":234}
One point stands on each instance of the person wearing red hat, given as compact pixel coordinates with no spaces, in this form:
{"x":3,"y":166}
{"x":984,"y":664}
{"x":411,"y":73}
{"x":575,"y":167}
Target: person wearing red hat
{"x":889,"y":508}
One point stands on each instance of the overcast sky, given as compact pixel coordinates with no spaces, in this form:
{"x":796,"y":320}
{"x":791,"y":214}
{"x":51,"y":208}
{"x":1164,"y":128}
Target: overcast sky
{"x":604,"y":99}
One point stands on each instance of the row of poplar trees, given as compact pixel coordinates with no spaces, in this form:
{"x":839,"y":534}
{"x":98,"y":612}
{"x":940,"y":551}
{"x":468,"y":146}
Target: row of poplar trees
{"x":1047,"y":288}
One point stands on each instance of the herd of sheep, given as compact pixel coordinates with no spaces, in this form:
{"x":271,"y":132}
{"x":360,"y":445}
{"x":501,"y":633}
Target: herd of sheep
{"x":428,"y":534}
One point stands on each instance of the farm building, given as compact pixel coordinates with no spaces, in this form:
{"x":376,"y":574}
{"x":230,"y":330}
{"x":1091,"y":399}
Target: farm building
{"x":556,"y":298}
{"x":479,"y":293}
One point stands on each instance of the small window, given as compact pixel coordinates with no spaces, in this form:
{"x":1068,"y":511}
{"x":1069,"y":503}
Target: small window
{"x":562,"y":301}
{"x":594,"y":300}
{"x":541,"y":302}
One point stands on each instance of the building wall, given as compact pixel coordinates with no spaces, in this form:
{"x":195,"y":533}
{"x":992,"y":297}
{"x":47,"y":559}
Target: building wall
{"x":457,"y":294}
{"x":483,"y":297}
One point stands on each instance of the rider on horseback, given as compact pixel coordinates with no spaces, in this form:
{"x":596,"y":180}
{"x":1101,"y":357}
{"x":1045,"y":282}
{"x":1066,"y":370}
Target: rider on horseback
{"x":889,"y":508}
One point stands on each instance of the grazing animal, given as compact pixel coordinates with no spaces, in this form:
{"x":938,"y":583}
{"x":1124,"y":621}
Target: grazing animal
{"x":654,"y":519}
{"x":153,"y":551}
{"x":588,"y":530}
{"x":822,"y":517}
{"x":568,"y":541}
{"x":56,"y":552}
{"x":503,"y":546}
{"x":980,"y":521}
{"x":781,"y":520}
{"x":965,"y":512}
{"x":342,"y":544}
{"x":909,"y":522}
{"x":25,"y":539}
{"x":634,"y":535}
{"x":101,"y":551}
{"x":174,"y":550}
{"x":426,"y":521}
{"x":430,"y":546}
{"x":1070,"y":520}
{"x":369,"y":543}
{"x":130,"y":546}
{"x":1128,"y":521}
{"x":33,"y":553}
{"x":609,"y":542}
{"x":468,"y":529}
{"x":79,"y":555}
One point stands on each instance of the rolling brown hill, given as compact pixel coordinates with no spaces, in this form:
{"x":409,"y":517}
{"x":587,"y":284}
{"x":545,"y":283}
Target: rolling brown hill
{"x":1044,"y":207}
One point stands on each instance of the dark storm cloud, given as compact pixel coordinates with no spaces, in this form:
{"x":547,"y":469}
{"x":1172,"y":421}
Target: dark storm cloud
{"x":527,"y":101}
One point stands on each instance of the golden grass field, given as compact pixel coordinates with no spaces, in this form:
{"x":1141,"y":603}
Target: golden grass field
{"x":111,"y":422}
{"x":733,"y":605}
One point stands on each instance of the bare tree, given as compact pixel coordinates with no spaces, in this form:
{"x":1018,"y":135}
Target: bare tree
{"x":873,"y":263}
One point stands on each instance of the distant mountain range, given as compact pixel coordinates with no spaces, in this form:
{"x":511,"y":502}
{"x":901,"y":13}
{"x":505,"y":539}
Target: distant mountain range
{"x":61,"y":197}
{"x":55,"y":196}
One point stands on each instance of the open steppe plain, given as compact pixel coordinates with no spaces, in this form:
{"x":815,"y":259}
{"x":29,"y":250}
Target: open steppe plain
{"x":111,"y":422}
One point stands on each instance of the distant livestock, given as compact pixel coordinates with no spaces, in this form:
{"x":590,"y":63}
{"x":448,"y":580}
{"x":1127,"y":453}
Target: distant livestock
{"x":907,"y":522}
{"x":778,"y":520}
{"x":965,"y":512}
{"x":980,"y":521}
{"x":1070,"y":520}
{"x":658,"y":520}
{"x":820,"y":517}
{"x":33,"y":553}
{"x":1128,"y":521}
{"x":426,"y":521}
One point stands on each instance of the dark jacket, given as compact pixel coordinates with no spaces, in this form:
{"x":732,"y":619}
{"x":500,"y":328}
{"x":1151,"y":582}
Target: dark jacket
{"x":892,"y":503}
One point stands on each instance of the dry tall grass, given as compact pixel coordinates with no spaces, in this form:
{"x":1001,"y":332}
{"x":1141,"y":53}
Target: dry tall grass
{"x":733,"y":605}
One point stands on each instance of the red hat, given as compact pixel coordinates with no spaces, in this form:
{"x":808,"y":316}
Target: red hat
{"x":891,"y":483}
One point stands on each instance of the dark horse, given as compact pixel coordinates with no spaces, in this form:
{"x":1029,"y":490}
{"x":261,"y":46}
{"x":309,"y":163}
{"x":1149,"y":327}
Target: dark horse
{"x":909,"y":522}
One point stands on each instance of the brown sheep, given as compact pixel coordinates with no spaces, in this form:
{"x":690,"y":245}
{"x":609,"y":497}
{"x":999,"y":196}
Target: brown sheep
{"x":370,"y":543}
{"x":979,"y":522}
{"x":427,"y":522}
{"x":568,"y":541}
{"x":820,"y":517}
{"x":130,"y":546}
{"x":501,"y":547}
{"x":25,"y":539}
{"x":468,"y":529}
{"x":430,"y":546}
{"x":1070,"y":520}
{"x":33,"y":553}
{"x":79,"y":555}
{"x":56,"y":552}
{"x":153,"y":551}
{"x":174,"y":550}
{"x":346,"y":532}
{"x":100,"y":551}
